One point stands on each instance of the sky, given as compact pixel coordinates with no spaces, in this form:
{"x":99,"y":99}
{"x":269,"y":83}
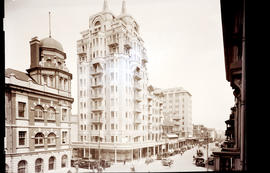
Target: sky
{"x":183,"y":39}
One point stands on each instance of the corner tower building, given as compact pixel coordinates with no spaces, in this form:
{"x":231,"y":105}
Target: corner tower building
{"x":37,"y":111}
{"x":112,"y":88}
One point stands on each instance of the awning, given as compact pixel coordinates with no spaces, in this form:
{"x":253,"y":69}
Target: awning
{"x":172,"y":136}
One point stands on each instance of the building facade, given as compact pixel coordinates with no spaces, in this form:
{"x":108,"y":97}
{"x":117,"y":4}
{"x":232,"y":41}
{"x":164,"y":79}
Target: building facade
{"x":233,"y":155}
{"x":178,"y":106}
{"x":37,"y":112}
{"x":115,"y":109}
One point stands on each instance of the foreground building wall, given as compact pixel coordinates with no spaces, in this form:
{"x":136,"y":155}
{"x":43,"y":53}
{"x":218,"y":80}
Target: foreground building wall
{"x":233,"y":154}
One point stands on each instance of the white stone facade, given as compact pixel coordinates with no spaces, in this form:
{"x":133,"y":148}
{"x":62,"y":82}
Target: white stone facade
{"x":178,"y":106}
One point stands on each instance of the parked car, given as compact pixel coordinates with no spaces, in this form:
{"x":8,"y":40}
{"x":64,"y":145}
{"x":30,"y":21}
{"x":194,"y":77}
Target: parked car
{"x":199,"y":161}
{"x":105,"y":163}
{"x":84,"y":163}
{"x":171,"y":152}
{"x":167,"y":162}
{"x":74,"y":162}
{"x":159,"y":157}
{"x":210,"y":160}
{"x":165,"y":155}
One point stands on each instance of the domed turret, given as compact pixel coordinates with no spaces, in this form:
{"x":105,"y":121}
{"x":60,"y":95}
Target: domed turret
{"x":51,"y":43}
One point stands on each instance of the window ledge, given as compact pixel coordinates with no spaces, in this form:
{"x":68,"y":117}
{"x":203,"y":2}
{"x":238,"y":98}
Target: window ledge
{"x":39,"y":119}
{"x":39,"y":145}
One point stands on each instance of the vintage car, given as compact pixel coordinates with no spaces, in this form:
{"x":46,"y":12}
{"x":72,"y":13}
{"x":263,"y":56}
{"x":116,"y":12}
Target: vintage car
{"x":84,"y":163}
{"x":210,"y":160}
{"x":166,"y":162}
{"x":105,"y":163}
{"x":74,"y":162}
{"x":171,"y":152}
{"x":159,"y":157}
{"x":199,"y":161}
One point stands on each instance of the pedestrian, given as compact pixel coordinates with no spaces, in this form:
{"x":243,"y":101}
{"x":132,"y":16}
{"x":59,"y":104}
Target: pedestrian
{"x":124,"y":161}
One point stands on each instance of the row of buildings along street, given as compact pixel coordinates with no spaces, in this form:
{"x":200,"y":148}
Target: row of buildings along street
{"x":121,"y":116}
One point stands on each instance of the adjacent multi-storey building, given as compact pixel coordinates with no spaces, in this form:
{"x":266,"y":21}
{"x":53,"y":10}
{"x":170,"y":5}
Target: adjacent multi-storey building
{"x":37,"y":111}
{"x":178,"y":106}
{"x":113,"y":100}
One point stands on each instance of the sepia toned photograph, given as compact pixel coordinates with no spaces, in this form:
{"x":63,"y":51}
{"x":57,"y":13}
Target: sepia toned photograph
{"x":124,"y":86}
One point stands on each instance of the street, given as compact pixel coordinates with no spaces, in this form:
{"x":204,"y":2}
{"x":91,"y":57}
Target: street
{"x":182,"y":163}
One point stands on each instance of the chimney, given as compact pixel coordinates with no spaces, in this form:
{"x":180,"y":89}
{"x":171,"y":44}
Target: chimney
{"x":34,"y":49}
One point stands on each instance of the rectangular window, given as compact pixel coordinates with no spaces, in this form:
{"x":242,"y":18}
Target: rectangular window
{"x":112,"y":138}
{"x":64,"y":137}
{"x":64,"y":114}
{"x":112,"y":126}
{"x":22,"y":136}
{"x":21,"y":109}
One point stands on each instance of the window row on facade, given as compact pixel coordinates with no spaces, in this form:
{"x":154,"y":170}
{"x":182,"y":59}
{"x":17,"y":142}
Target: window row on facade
{"x":39,"y":139}
{"x":39,"y":165}
{"x":40,"y":113}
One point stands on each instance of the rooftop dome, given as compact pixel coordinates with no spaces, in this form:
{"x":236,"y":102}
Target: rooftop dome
{"x":51,"y":43}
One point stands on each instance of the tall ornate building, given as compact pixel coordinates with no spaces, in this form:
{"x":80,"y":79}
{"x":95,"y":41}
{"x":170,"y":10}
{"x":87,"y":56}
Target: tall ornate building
{"x":112,"y":90}
{"x":37,"y":111}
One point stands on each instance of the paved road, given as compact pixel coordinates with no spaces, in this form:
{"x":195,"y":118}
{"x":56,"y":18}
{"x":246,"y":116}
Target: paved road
{"x":182,"y":163}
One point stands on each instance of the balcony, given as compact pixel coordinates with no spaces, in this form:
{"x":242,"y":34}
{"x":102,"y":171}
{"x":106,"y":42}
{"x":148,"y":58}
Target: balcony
{"x":97,"y":84}
{"x":81,"y":52}
{"x":137,"y":86}
{"x":150,"y":111}
{"x":138,"y":120}
{"x":127,"y":44}
{"x":97,"y":133}
{"x":96,"y":72}
{"x":97,"y":108}
{"x":176,"y":123}
{"x":145,"y":58}
{"x":138,"y":109}
{"x":138,"y":75}
{"x":138,"y":97}
{"x":113,"y":42}
{"x":97,"y":96}
{"x":176,"y":117}
{"x":97,"y":119}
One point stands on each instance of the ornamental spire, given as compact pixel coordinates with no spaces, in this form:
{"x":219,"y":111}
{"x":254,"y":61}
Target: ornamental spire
{"x":50,"y":24}
{"x":105,"y":6}
{"x":124,"y":8}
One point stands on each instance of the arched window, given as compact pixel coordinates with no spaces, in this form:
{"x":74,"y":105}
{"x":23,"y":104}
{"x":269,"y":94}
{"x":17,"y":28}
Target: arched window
{"x":22,"y":166}
{"x":52,"y":163}
{"x":51,"y":139}
{"x":97,"y":23}
{"x":64,"y":161}
{"x":38,"y":112}
{"x":51,"y":114}
{"x":39,"y":165}
{"x":39,"y":139}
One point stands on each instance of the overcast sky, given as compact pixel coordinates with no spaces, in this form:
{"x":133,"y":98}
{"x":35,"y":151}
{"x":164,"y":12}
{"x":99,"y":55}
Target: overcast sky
{"x":183,"y":39}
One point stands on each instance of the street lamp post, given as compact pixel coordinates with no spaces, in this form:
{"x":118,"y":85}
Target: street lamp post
{"x":207,"y":150}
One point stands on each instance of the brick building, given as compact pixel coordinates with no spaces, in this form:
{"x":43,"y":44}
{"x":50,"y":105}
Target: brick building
{"x":37,"y":111}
